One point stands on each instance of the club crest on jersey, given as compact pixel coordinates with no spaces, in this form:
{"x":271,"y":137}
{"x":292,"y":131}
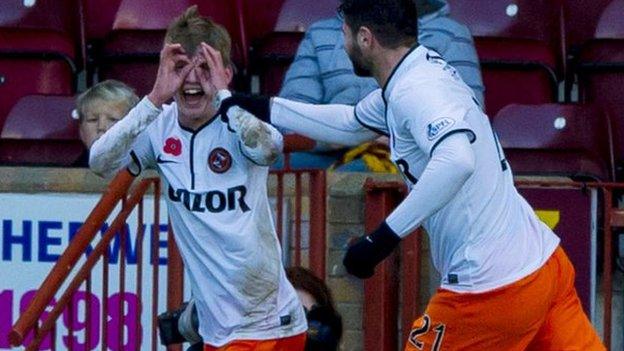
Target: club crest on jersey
{"x":173,"y":146}
{"x":219,"y":160}
{"x":434,"y":128}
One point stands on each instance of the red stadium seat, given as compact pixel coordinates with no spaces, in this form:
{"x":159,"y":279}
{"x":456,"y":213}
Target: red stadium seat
{"x":38,"y":46}
{"x":131,"y":49}
{"x":99,"y":17}
{"x":600,"y":72}
{"x":275,"y":35}
{"x":581,"y":19}
{"x":556,"y":139}
{"x":41,"y":131}
{"x":520,"y":45}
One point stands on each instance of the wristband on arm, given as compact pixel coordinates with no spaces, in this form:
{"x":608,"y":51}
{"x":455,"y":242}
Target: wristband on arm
{"x":363,"y":255}
{"x":257,"y":105}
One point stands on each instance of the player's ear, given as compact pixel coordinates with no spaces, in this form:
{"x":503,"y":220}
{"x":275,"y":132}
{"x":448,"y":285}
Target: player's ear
{"x":229,"y":73}
{"x":364,"y":37}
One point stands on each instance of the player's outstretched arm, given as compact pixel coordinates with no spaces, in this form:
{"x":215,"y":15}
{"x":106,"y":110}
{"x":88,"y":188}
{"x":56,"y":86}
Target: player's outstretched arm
{"x":451,"y":164}
{"x":334,"y":124}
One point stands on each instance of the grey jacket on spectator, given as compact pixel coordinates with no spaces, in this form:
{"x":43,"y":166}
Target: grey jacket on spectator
{"x":322,"y":72}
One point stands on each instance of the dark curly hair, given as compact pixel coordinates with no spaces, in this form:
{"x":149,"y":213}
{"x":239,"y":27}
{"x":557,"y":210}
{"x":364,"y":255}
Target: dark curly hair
{"x":394,"y":22}
{"x":324,"y":322}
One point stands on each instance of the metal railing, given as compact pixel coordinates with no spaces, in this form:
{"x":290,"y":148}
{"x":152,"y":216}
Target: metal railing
{"x":43,"y":324}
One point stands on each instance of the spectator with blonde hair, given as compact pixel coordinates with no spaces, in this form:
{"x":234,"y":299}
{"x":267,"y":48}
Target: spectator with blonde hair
{"x":98,"y":109}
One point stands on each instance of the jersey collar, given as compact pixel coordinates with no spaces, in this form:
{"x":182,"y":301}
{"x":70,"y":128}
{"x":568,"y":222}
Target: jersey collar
{"x":412,"y":55}
{"x":208,"y":122}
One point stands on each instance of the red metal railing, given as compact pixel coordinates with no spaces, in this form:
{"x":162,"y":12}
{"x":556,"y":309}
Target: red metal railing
{"x":121,"y":302}
{"x":128,"y":313}
{"x":382,"y":301}
{"x":316,"y":185}
{"x":381,"y":308}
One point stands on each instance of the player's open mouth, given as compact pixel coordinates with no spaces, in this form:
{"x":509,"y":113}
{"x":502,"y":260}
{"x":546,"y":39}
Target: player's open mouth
{"x":193,"y":95}
{"x":193,"y":92}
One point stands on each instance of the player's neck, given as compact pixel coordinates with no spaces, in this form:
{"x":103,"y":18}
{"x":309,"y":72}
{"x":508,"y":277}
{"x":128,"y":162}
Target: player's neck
{"x":194,"y":124}
{"x":385,"y":63}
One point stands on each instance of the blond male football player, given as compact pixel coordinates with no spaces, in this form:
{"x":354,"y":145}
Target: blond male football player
{"x":215,"y":171}
{"x":506,"y":282}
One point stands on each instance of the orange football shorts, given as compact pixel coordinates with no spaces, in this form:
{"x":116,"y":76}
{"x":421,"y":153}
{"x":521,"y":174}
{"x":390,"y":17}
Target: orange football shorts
{"x":538,"y":313}
{"x":293,"y":343}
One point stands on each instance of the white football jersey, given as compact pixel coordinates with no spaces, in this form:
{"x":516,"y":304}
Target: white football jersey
{"x":487,"y":236}
{"x":217,"y":202}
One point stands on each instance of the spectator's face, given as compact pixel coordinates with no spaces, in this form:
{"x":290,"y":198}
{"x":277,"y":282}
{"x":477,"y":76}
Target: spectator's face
{"x":307,"y":300}
{"x":355,"y":52}
{"x":99,"y":116}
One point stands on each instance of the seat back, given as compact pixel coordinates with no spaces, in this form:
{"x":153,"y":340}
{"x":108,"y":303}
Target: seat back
{"x":58,"y":15}
{"x":38,"y":43}
{"x":275,"y":35}
{"x":298,"y":15}
{"x":521,"y":19}
{"x":41,"y":131}
{"x":20,"y":77}
{"x":520,"y":46}
{"x":99,"y":17}
{"x":600,"y":72}
{"x":610,"y":24}
{"x":263,"y":17}
{"x":581,"y":18}
{"x":42,"y":117}
{"x":563,"y":139}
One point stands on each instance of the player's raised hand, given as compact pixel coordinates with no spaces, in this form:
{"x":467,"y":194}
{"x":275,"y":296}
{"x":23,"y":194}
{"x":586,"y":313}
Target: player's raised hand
{"x":367,"y":251}
{"x":218,"y":76}
{"x":172,"y":71}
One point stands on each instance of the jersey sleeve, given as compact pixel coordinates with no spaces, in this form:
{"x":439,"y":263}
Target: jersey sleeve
{"x":328,"y":123}
{"x":430,"y":116}
{"x":266,"y":149}
{"x":141,"y":155}
{"x":370,"y":113}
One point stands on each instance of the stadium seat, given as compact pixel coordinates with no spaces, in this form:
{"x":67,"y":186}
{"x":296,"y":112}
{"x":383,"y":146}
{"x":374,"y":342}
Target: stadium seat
{"x":40,"y":131}
{"x":130,"y":50}
{"x":38,"y":49}
{"x":600,"y":71}
{"x":99,"y":18}
{"x":275,"y":35}
{"x":520,"y":45}
{"x":581,"y":18}
{"x":556,"y":139}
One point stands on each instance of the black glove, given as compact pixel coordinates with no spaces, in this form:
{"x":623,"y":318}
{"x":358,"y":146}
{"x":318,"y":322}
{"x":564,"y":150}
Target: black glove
{"x":257,"y":105}
{"x":168,"y":327}
{"x":363,"y":255}
{"x":181,"y":325}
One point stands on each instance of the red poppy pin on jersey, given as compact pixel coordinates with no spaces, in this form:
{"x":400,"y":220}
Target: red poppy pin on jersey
{"x":173,"y":146}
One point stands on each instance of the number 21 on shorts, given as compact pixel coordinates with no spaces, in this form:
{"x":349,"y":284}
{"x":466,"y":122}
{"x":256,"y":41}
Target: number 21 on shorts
{"x":425,"y":328}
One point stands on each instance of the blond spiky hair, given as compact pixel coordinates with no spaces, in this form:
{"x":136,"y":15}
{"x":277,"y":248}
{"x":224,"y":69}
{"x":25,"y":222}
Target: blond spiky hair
{"x":190,"y":29}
